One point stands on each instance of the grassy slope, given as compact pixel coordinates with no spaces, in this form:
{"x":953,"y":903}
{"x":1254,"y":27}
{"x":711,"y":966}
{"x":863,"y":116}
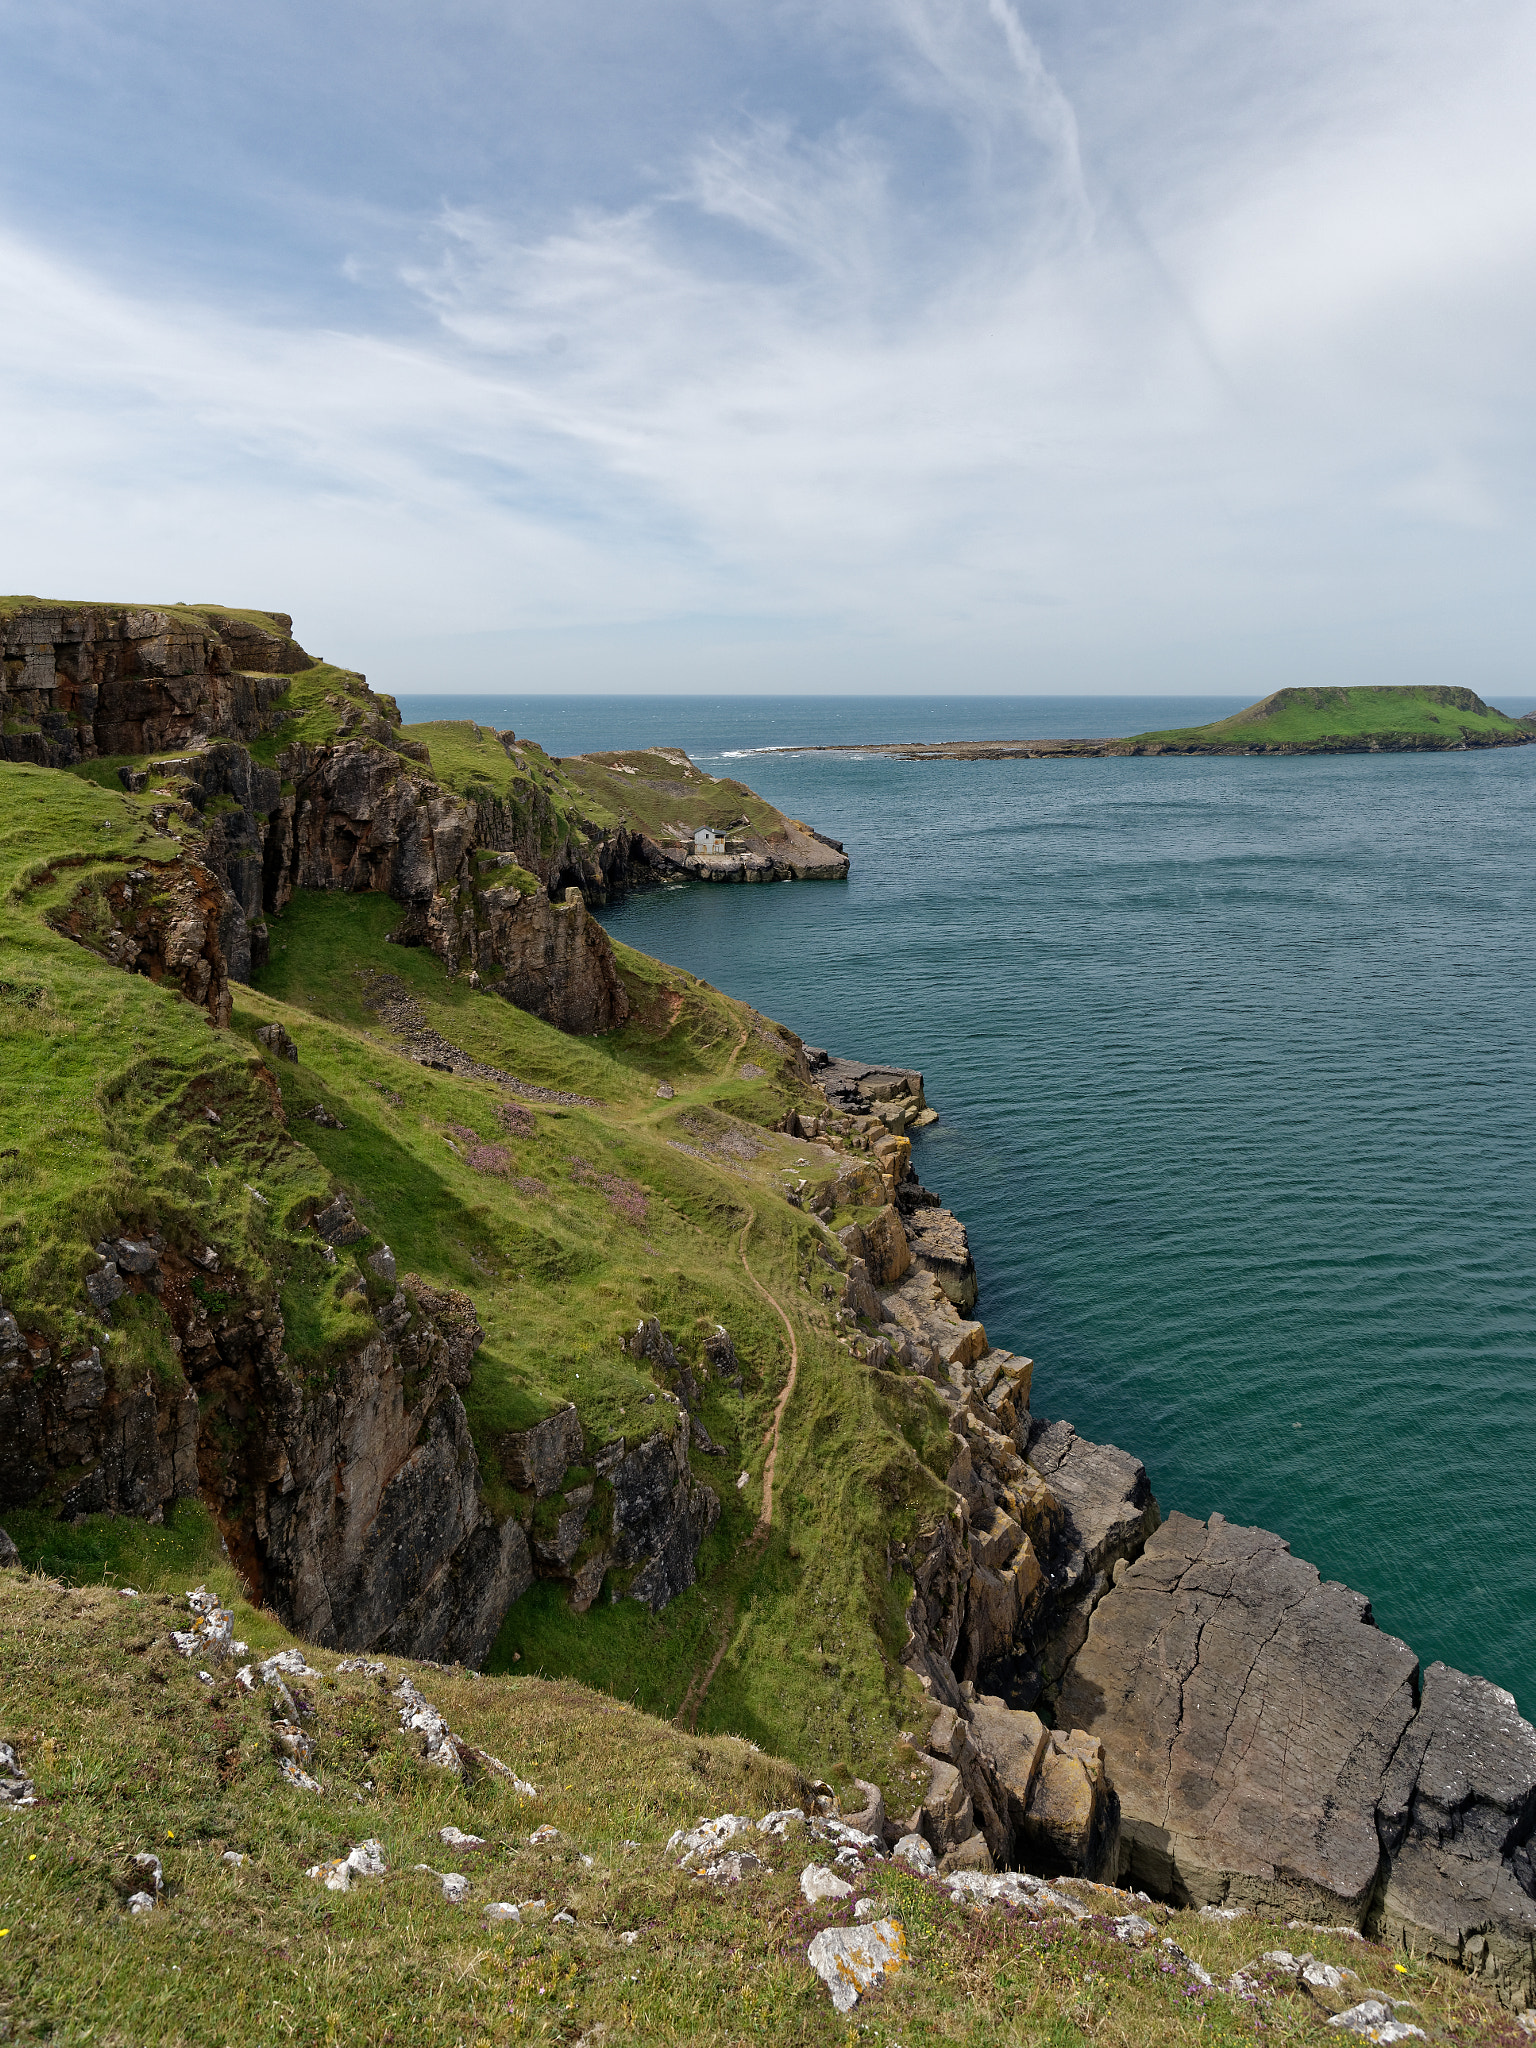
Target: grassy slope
{"x":131,"y":1752}
{"x":1324,"y":717}
{"x":104,"y":1082}
{"x":663,"y":789}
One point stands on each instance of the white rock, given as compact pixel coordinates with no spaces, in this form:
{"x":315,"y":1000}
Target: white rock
{"x":150,"y":1872}
{"x":367,"y":1859}
{"x":630,"y":1936}
{"x":693,"y":1846}
{"x":500,"y":1911}
{"x":1281,"y":1959}
{"x":457,"y":1839}
{"x":547,"y":1833}
{"x":732,"y":1867}
{"x":185,"y":1641}
{"x":817,"y":1882}
{"x":142,"y":1902}
{"x":1187,"y":1962}
{"x":1326,"y":1977}
{"x":849,"y":1960}
{"x":285,"y":1664}
{"x":1013,"y":1888}
{"x":1373,"y":2018}
{"x":915,"y":1853}
{"x":1223,"y":1912}
{"x":234,"y":1858}
{"x":127,"y":1592}
{"x":866,"y":1909}
{"x":362,"y":1664}
{"x":291,"y":1774}
{"x":1133,"y":1928}
{"x":563,"y":1920}
{"x":780,"y":1821}
{"x":455,"y":1888}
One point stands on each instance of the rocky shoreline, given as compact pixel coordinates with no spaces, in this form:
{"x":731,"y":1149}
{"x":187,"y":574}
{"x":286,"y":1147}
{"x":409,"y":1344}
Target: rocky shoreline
{"x":1227,"y":1729}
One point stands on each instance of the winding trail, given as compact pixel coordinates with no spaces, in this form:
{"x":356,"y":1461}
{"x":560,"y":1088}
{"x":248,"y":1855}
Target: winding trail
{"x":687,"y":1715}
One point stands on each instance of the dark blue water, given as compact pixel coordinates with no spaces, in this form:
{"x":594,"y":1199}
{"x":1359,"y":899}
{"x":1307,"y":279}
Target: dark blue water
{"x":1238,"y":1095}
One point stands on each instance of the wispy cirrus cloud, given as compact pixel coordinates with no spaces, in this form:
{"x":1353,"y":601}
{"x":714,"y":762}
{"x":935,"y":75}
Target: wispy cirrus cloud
{"x":1198,"y":352}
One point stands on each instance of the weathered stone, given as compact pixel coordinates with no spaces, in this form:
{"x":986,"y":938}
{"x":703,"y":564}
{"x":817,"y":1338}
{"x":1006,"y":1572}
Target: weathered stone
{"x":337,"y":1223}
{"x":818,"y":1883}
{"x":105,"y":1286}
{"x":971,"y":1854}
{"x":9,"y":1555}
{"x":869,"y":1818}
{"x":1010,"y":1745}
{"x":914,"y":1851}
{"x":276,"y":1040}
{"x":555,"y":960}
{"x":134,"y":1255}
{"x":1456,"y":1816}
{"x":887,"y":1253}
{"x":859,"y":1294}
{"x":947,"y":1815}
{"x":940,"y":1247}
{"x":1103,"y":1491}
{"x":535,"y":1459}
{"x":1248,"y":1713}
{"x":849,"y":1960}
{"x":1069,"y":1818}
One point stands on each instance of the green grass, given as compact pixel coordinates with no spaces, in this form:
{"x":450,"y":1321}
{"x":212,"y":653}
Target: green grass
{"x":106,"y":1080}
{"x":131,"y":1752}
{"x":1430,"y":714}
{"x":318,"y":697}
{"x":585,"y":795}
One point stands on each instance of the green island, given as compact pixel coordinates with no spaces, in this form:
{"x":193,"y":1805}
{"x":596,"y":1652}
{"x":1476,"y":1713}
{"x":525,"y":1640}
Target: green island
{"x":513,"y":1528}
{"x":1354,"y":719}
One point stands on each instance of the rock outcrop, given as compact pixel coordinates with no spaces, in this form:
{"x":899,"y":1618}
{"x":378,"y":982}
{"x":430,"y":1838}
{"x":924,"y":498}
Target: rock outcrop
{"x":633,"y":1516}
{"x":551,"y":958}
{"x":354,"y":1505}
{"x":168,"y":922}
{"x":1270,"y":1746}
{"x":82,"y":681}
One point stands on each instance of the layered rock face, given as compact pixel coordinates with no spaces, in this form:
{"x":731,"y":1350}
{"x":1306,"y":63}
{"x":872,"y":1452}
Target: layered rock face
{"x":362,"y":813}
{"x":104,"y":679}
{"x":1269,"y":1745}
{"x":355,"y":1508}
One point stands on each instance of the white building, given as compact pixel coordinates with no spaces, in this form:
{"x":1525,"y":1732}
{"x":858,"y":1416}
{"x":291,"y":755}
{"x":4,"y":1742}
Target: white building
{"x":708,"y":840}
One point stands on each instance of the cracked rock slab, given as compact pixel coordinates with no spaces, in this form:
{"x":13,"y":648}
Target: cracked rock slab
{"x":1249,"y":1714}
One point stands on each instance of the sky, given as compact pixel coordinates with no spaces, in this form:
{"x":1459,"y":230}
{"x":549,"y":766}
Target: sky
{"x":801,"y":345}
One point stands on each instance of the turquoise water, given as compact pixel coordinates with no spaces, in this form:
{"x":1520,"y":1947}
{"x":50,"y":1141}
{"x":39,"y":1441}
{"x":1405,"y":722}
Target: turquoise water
{"x":1238,"y":1101}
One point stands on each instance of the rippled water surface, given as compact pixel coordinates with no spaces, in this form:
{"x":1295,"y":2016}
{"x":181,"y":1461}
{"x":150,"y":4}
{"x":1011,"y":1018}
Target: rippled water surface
{"x":1235,"y":1067}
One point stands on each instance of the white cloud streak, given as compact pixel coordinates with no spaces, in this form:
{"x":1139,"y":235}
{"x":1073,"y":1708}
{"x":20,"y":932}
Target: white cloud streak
{"x":1004,"y":376}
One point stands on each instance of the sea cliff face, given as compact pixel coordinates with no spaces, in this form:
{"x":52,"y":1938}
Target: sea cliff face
{"x":1228,"y":1729}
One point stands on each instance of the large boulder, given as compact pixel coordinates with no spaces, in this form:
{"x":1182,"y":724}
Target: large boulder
{"x":940,"y":1247}
{"x":1249,"y":1713}
{"x":887,"y":1253}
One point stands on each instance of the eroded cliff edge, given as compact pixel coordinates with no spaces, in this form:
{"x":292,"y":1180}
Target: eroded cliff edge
{"x":1227,"y":1729}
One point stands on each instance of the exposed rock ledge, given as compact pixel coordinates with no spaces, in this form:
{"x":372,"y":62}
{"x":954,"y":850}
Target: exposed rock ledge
{"x":1229,"y":1728}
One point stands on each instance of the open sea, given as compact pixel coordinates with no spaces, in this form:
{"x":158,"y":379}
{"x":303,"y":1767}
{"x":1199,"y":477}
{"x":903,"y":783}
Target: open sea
{"x":1235,"y":1067}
